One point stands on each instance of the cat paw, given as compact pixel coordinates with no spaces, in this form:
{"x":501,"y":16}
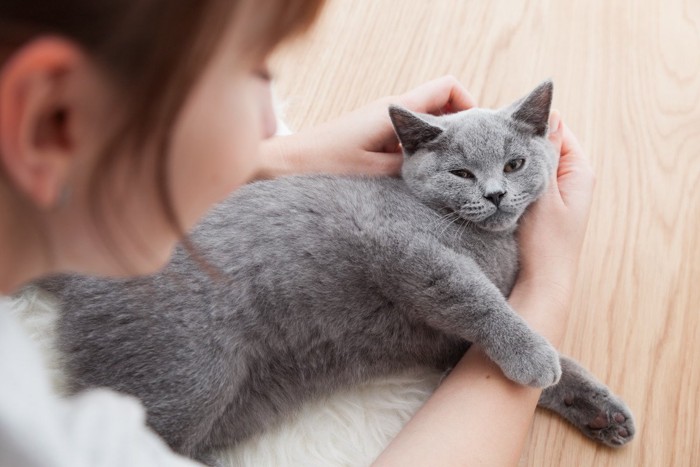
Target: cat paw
{"x":604,"y":418}
{"x":528,"y":360}
{"x":589,"y":405}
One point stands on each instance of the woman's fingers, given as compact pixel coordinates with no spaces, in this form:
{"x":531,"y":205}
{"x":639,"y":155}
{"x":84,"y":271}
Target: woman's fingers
{"x":442,"y":95}
{"x":575,"y":175}
{"x":555,"y":137}
{"x":571,"y":145}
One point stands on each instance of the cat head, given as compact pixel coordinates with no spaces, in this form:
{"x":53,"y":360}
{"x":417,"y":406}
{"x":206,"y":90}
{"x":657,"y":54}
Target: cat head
{"x":486,"y":166}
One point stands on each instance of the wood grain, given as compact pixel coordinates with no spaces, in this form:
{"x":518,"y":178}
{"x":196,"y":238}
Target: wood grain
{"x":627,"y":80}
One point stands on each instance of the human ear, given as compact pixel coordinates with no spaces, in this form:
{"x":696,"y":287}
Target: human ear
{"x":37,"y":141}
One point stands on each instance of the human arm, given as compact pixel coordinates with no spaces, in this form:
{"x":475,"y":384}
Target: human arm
{"x":477,"y":416}
{"x":360,"y":142}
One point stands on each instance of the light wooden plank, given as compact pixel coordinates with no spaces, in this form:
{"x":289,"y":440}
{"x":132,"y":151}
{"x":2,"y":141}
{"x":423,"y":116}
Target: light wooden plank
{"x":627,"y":79}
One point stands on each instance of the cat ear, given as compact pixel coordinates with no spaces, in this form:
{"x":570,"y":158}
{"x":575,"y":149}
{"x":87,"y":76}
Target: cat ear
{"x":412,"y":130}
{"x":533,"y":110}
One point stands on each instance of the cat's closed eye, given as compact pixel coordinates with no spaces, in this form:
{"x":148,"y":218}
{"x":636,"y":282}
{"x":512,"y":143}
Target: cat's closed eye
{"x":463,"y":173}
{"x":513,"y":165}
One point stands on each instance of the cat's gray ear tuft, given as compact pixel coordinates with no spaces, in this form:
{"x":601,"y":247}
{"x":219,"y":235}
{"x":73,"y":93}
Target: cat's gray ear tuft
{"x":533,"y":109}
{"x":412,"y":130}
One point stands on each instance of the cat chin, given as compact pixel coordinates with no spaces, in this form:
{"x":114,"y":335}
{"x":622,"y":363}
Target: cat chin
{"x":499,"y":222}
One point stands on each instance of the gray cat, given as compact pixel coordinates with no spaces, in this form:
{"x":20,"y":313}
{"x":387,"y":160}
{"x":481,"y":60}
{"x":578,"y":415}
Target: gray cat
{"x":328,"y":281}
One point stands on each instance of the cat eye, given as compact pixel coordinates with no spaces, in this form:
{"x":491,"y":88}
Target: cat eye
{"x":463,"y":173}
{"x":514,"y":165}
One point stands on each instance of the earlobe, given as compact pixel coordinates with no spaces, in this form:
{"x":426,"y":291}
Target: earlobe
{"x":35,"y":139}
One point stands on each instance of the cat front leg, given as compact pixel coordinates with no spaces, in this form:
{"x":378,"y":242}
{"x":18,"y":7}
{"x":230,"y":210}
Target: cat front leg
{"x":449,"y":292}
{"x":589,"y":405}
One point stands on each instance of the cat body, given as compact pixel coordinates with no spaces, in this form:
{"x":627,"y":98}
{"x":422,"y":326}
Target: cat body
{"x":327,"y":281}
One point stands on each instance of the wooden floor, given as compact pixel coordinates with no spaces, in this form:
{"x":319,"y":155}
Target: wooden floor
{"x":627,"y":80}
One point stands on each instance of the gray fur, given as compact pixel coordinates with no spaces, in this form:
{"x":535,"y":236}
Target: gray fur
{"x":326,"y":282}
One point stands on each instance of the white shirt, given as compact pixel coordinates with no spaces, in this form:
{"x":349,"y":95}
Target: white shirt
{"x":98,"y":428}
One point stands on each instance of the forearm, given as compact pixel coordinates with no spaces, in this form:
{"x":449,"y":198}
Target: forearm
{"x":477,"y":416}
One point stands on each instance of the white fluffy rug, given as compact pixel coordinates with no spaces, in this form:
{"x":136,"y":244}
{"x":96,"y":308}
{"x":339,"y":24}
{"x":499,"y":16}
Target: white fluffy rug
{"x":349,"y":428}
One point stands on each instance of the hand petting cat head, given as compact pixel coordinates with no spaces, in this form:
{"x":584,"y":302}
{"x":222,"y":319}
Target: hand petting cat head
{"x":485,"y":165}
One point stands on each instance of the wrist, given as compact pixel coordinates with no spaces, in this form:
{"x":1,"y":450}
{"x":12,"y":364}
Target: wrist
{"x":556,"y":279}
{"x":544,"y":308}
{"x":277,"y":157}
{"x":267,"y":154}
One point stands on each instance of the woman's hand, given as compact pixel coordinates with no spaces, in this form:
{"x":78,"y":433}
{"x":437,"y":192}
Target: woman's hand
{"x":363,"y":141}
{"x":551,"y":232}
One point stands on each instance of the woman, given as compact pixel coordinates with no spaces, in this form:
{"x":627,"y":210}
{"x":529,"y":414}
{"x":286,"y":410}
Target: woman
{"x":122,"y":122}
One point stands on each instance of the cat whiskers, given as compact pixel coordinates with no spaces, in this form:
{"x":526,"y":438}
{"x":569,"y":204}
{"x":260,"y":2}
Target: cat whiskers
{"x":519,"y":200}
{"x":444,"y":222}
{"x":466,"y":223}
{"x":452,"y":220}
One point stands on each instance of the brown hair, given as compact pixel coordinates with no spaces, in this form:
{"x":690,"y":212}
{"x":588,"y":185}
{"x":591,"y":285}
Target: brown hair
{"x":153,"y":51}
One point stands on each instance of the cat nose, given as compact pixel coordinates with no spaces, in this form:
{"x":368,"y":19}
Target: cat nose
{"x":495,"y":197}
